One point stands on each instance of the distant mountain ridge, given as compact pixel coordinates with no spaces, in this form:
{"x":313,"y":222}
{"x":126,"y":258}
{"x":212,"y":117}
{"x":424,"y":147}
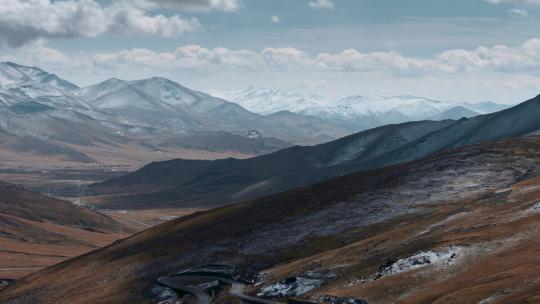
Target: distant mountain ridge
{"x":456,"y":227}
{"x":214,"y":183}
{"x":356,"y":113}
{"x":136,"y":118}
{"x":142,"y":118}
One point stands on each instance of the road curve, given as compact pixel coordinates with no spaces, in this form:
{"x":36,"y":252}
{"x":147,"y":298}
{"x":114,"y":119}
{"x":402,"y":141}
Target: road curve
{"x":237,"y":288}
{"x":177,"y":283}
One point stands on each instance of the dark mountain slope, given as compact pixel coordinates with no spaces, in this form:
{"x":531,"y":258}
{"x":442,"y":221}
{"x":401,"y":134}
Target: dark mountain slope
{"x":225,"y":142}
{"x":187,"y":182}
{"x":38,"y":231}
{"x":520,"y":120}
{"x":457,"y":227}
{"x":19,"y":202}
{"x":196,"y":183}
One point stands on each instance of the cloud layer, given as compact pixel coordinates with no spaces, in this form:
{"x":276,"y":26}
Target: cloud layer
{"x":524,"y":59}
{"x":26,"y":20}
{"x":499,"y":73}
{"x":200,"y":5}
{"x":515,"y":2}
{"x":322,"y":4}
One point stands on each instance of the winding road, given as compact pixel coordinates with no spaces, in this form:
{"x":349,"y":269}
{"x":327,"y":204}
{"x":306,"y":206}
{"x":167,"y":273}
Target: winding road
{"x":178,"y":284}
{"x":237,"y":288}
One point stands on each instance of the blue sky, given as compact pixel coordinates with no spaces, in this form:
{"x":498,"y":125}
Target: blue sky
{"x":460,"y":50}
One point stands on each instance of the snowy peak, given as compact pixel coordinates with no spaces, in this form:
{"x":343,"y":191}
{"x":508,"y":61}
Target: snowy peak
{"x":96,"y":91}
{"x":12,"y":74}
{"x":168,"y":91}
{"x":410,"y":106}
{"x":271,"y":100}
{"x":359,"y":112}
{"x":154,"y":93}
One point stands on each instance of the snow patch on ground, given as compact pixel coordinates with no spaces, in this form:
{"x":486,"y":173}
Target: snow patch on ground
{"x":339,"y":300}
{"x":444,"y":257}
{"x":296,"y":286}
{"x":532,"y":210}
{"x":496,"y":297}
{"x":422,"y":259}
{"x":290,"y":287}
{"x":535,"y":208}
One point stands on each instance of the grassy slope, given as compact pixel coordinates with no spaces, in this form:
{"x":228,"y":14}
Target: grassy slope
{"x":38,"y":231}
{"x":355,"y":224}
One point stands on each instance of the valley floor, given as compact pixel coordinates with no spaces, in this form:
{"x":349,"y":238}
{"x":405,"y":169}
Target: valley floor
{"x":461,"y":226}
{"x":51,"y":243}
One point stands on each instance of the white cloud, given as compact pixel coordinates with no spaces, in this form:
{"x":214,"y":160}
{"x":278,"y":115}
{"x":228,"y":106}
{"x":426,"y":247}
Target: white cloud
{"x":518,"y":12}
{"x":515,"y":2}
{"x":524,"y":58}
{"x":191,"y":57}
{"x":275,"y":19}
{"x":285,"y":59}
{"x":497,"y":73}
{"x":521,"y":59}
{"x":199,"y":5}
{"x":24,"y":21}
{"x":322,"y":4}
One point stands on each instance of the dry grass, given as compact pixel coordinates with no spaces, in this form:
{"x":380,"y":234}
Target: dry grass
{"x":500,"y":241}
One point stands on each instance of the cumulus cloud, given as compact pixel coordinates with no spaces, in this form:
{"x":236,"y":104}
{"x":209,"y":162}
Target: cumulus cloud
{"x":275,"y":19}
{"x":322,"y":4}
{"x":520,"y":60}
{"x":498,"y":72}
{"x":200,"y":5}
{"x":186,"y":57}
{"x":40,"y":55}
{"x":24,"y":21}
{"x":515,"y":2}
{"x":518,"y":12}
{"x":523,"y":58}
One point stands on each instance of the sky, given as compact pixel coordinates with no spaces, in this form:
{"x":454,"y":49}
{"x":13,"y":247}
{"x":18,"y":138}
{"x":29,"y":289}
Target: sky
{"x":460,"y":50}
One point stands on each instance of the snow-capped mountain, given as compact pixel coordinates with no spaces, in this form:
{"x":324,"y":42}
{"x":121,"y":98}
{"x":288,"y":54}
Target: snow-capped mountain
{"x":357,"y":113}
{"x":145,"y":114}
{"x":152,"y":94}
{"x":269,"y":101}
{"x":39,"y":107}
{"x":162,"y":106}
{"x":31,"y":81}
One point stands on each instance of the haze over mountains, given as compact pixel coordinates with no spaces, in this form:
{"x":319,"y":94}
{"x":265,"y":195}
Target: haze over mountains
{"x":190,"y":183}
{"x":358,"y":113}
{"x":119,"y":122}
{"x":396,"y":205}
{"x":138,"y":121}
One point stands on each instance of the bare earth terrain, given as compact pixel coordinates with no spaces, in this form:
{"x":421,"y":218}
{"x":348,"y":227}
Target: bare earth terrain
{"x":38,"y":231}
{"x":461,"y":226}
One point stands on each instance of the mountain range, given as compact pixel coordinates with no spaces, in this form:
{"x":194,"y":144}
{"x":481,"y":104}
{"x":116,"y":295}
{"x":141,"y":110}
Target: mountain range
{"x":429,"y":211}
{"x":129,"y":123}
{"x":191,"y":183}
{"x":136,"y":121}
{"x":460,"y":226}
{"x":358,"y":113}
